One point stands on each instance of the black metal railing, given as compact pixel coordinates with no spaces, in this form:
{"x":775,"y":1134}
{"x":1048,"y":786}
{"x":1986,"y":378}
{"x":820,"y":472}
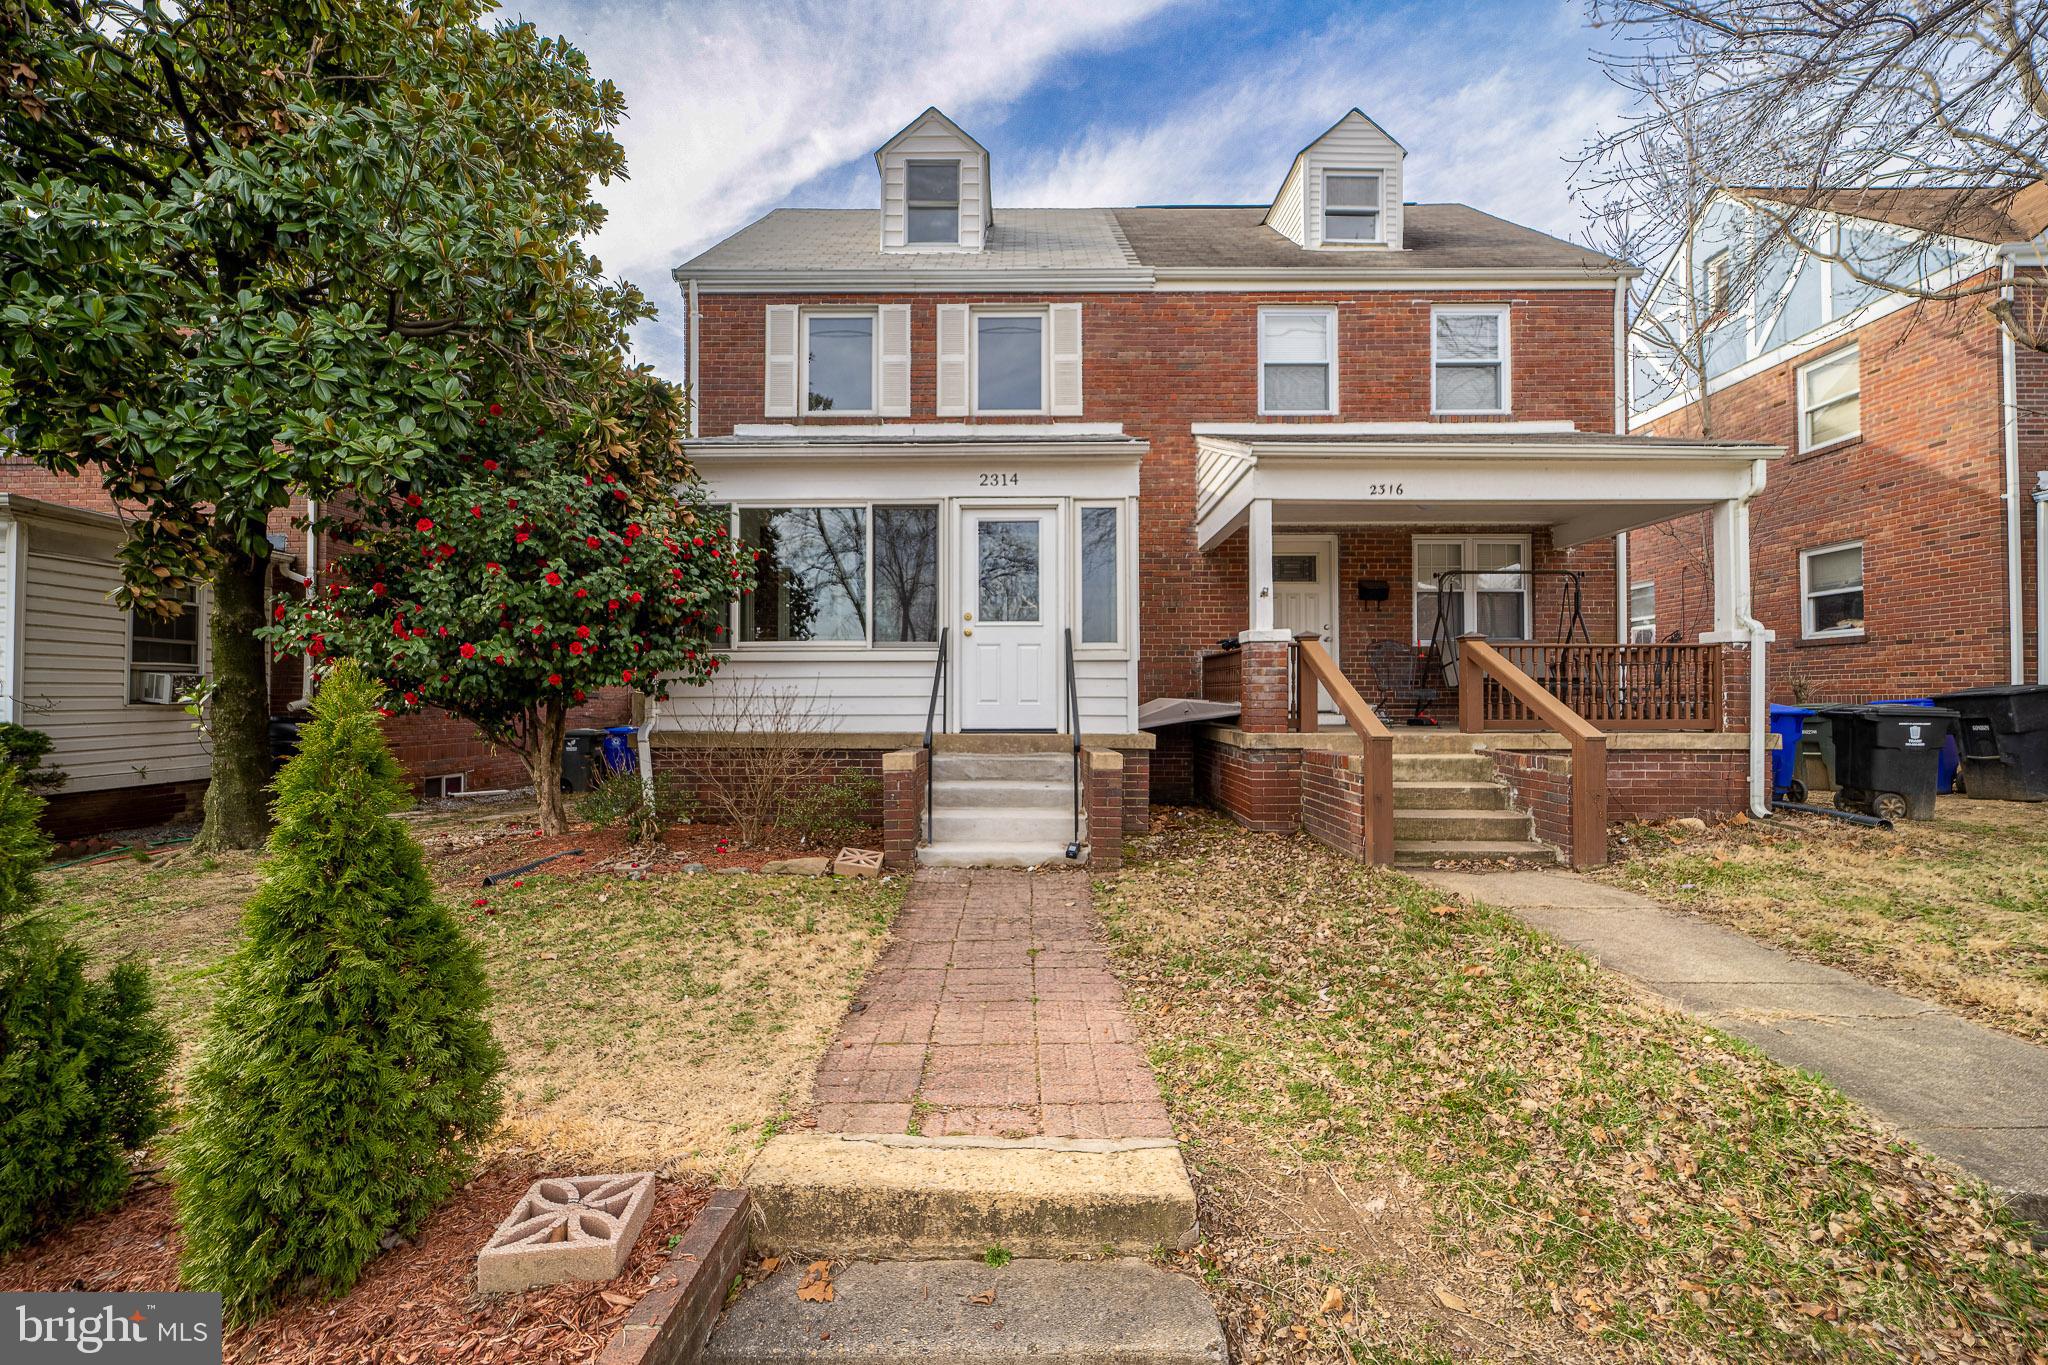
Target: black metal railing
{"x":936,"y":707}
{"x":1074,"y":728}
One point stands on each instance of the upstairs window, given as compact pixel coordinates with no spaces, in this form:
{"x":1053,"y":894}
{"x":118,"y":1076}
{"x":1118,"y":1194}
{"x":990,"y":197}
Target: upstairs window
{"x":1009,"y":362}
{"x":1831,"y":400}
{"x":839,"y":362}
{"x":1470,"y":353}
{"x":1720,"y":285}
{"x":1297,"y":360}
{"x":932,"y":191}
{"x":1351,"y":207}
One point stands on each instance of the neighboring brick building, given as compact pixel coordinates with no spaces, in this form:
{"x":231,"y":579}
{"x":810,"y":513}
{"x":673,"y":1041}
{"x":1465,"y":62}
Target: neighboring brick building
{"x":1892,"y":549}
{"x":1175,"y":426}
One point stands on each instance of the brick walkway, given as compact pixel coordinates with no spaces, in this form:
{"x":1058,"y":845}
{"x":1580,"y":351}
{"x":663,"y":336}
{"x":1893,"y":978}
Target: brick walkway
{"x":991,"y":1013}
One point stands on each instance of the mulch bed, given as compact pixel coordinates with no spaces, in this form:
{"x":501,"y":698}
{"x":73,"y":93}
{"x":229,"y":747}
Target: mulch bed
{"x":471,"y":854}
{"x":414,"y":1303}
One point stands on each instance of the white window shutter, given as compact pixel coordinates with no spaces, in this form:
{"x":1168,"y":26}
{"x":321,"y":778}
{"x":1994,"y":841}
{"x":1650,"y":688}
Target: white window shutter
{"x":952,"y":396}
{"x":778,"y":392}
{"x":893,"y":397}
{"x":1066,"y":360}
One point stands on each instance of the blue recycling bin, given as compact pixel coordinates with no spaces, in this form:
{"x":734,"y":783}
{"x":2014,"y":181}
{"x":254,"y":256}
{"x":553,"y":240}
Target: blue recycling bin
{"x":1951,"y":748}
{"x":618,"y":749}
{"x":1788,"y":723}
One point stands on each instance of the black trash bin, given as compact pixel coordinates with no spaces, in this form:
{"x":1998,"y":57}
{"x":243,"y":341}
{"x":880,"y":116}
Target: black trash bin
{"x":579,"y":759}
{"x":284,"y":739}
{"x":2004,"y":735}
{"x":1888,"y":758}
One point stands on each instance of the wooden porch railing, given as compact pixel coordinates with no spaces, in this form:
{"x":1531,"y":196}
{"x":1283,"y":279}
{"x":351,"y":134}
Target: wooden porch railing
{"x":1223,"y":675}
{"x":1618,"y":687}
{"x":1481,"y":663}
{"x":1314,"y":665}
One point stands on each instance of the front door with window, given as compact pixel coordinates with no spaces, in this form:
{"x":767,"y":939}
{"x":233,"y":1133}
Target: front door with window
{"x":1304,"y":600}
{"x":1009,"y":605}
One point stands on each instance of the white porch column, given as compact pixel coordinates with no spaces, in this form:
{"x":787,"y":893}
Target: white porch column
{"x":1259,"y":532}
{"x":1731,"y":572}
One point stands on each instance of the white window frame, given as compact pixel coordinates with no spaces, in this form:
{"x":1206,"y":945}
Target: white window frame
{"x":803,"y":362}
{"x":1470,"y":588}
{"x":1379,"y":178}
{"x":1854,"y":352}
{"x":868,"y":641}
{"x":1807,"y":594}
{"x":1716,"y":268}
{"x":199,"y":606}
{"x":909,"y":204}
{"x":1647,"y":585}
{"x":1126,"y":579}
{"x":1506,"y":362}
{"x":974,"y":319}
{"x":1329,"y":319}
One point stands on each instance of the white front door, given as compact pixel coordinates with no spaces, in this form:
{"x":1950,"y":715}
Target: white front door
{"x":1009,"y":605}
{"x":1304,"y":593}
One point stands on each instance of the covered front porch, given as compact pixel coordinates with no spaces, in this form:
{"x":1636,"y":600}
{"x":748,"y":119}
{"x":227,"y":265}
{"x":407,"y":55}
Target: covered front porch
{"x":1468,"y":584}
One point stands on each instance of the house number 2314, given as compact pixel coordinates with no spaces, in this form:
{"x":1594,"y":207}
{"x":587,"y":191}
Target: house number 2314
{"x":1001,"y":480}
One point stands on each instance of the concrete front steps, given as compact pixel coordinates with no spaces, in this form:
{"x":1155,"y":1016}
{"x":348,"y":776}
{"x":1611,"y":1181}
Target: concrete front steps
{"x":908,"y":1223}
{"x":1449,"y":806}
{"x":1001,"y":810}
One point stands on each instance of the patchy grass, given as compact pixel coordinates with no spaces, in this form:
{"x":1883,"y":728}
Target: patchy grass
{"x":1423,"y":1132}
{"x":670,"y":1022}
{"x":1955,"y":908}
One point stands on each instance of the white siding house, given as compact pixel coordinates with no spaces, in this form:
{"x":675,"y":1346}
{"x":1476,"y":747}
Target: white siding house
{"x":69,"y":662}
{"x":1343,"y":192}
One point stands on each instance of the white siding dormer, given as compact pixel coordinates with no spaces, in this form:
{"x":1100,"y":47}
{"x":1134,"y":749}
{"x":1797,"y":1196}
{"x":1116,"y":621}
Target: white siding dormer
{"x":1343,"y":192}
{"x":935,"y":187}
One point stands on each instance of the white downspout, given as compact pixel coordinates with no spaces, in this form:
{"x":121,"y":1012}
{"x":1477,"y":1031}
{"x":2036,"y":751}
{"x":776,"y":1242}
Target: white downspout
{"x":1759,"y":635}
{"x":692,"y":319}
{"x":2015,"y":581}
{"x":2041,"y":578}
{"x":305,"y":697}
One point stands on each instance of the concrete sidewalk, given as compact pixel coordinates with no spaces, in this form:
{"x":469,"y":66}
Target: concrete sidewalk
{"x":1966,"y":1092}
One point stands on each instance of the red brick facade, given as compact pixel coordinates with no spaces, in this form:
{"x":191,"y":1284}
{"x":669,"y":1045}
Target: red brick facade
{"x":1103,"y":773}
{"x":1922,"y":488}
{"x":1333,"y":801}
{"x":1159,"y":362}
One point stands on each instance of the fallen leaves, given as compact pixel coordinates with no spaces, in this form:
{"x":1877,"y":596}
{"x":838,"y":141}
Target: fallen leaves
{"x":816,"y":1285}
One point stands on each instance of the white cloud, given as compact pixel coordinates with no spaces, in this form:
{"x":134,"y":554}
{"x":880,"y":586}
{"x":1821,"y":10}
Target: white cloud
{"x":733,"y":105}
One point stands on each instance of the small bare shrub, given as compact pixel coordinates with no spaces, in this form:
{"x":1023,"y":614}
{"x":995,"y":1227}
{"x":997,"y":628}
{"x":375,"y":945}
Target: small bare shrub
{"x":833,"y":814}
{"x":621,"y":800}
{"x":778,"y":751}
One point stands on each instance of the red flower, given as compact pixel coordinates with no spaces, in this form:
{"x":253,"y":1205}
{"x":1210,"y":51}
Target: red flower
{"x":476,"y":511}
{"x":318,"y":646}
{"x":481,"y":900}
{"x":496,"y":411}
{"x":612,"y":605}
{"x":468,"y":651}
{"x":627,"y":676}
{"x":579,"y":694}
{"x":278,"y":615}
{"x":520,"y":882}
{"x":583,"y":592}
{"x":554,"y":580}
{"x":499,"y":658}
{"x":554,"y":680}
{"x":592,"y":541}
{"x":377,"y":590}
{"x":611,"y":478}
{"x":490,"y":567}
{"x":491,"y":465}
{"x":412,"y":699}
{"x":519,"y":538}
{"x":386,"y":712}
{"x":423,"y":525}
{"x":412,"y":500}
{"x":696,"y":540}
{"x":583,"y":632}
{"x":575,"y":646}
{"x":632,"y":597}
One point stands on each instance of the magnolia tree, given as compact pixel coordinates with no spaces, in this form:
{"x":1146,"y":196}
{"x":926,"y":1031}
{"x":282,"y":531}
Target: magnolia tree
{"x":514,"y":585}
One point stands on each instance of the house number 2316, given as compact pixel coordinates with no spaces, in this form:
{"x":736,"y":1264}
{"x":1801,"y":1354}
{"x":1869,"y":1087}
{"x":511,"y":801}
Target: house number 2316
{"x":1001,"y":480}
{"x":1385,"y":490}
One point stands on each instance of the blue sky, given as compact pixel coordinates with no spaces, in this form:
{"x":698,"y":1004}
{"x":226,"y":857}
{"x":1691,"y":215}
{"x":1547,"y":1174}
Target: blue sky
{"x":741,"y":106}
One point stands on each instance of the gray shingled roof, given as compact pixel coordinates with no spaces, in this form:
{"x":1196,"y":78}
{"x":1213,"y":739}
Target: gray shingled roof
{"x":849,"y":239}
{"x":1433,"y":236}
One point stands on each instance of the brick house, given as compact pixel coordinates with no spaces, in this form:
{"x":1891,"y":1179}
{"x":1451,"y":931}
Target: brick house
{"x":104,"y":683}
{"x":1213,"y":493}
{"x":1891,"y":552}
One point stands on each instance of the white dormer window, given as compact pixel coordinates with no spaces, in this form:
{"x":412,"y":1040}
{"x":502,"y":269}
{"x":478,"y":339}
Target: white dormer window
{"x":933,"y":194}
{"x":1351,"y":207}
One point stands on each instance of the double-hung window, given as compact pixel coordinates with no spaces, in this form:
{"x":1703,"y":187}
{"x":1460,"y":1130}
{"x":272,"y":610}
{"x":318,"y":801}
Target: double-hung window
{"x":1297,"y":360}
{"x":1483,"y":583}
{"x":1831,"y":399}
{"x":1642,"y":614}
{"x":1351,"y":207}
{"x":839,"y":363}
{"x":163,"y":652}
{"x":1009,"y":362}
{"x":855,"y":574}
{"x":932,"y":202}
{"x":1831,"y":590}
{"x":1469,"y":357}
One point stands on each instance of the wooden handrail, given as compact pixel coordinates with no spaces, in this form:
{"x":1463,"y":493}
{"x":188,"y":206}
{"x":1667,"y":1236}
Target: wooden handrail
{"x":1478,"y":660}
{"x":1377,"y":768}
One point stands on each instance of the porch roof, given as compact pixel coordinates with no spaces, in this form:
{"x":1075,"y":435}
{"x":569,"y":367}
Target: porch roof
{"x":1584,"y":485}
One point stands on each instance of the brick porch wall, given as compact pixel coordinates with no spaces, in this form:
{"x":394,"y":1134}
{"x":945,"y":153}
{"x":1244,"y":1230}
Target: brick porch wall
{"x":1333,"y":800}
{"x":1258,"y":788}
{"x":1539,"y":782}
{"x":1172,"y":769}
{"x":1103,"y":772}
{"x":903,"y":790}
{"x":697,"y":766}
{"x":1642,"y":784}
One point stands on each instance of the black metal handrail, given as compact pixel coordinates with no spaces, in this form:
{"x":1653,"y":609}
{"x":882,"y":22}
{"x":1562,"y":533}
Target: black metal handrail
{"x":1074,"y":728}
{"x":935,"y":707}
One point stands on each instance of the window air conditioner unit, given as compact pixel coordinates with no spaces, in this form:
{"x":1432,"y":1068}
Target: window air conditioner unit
{"x":159,"y":689}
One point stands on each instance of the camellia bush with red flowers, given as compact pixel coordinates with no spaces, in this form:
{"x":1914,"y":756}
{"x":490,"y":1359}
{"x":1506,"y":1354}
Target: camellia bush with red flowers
{"x":517,"y":584}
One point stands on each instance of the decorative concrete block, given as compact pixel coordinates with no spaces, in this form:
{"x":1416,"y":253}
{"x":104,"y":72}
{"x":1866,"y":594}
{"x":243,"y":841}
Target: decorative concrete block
{"x":858,"y":862}
{"x":566,"y":1228}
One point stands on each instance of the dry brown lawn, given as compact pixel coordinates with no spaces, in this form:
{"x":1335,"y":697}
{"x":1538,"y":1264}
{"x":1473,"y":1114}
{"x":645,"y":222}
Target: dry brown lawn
{"x":671,"y":1023}
{"x":1954,"y":909}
